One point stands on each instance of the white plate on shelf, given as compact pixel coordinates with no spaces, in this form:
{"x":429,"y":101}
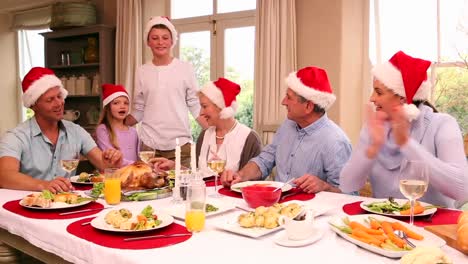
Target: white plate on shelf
{"x":429,"y":238}
{"x":233,"y":226}
{"x":238,"y":186}
{"x":178,"y":210}
{"x":100,"y":223}
{"x":399,"y":201}
{"x":282,"y":239}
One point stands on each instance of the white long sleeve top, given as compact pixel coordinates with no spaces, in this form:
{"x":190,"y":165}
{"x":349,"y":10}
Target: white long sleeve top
{"x":163,"y":96}
{"x":435,"y":138}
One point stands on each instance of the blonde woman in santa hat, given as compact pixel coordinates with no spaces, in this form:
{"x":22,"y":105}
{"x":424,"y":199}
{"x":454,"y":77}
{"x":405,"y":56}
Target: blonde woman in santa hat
{"x":166,"y":89}
{"x":30,"y":154}
{"x":218,"y":106}
{"x":403,"y":128}
{"x":112,"y":132}
{"x":308,"y":147}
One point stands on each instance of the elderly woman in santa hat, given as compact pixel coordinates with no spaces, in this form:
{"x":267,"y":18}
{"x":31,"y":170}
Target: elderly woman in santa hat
{"x":405,"y":127}
{"x":218,"y":107}
{"x":166,"y":90}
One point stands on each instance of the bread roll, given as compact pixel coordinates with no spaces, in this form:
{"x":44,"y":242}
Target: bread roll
{"x":462,"y":232}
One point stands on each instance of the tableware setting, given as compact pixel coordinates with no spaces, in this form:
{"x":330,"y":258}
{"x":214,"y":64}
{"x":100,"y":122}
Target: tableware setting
{"x":261,"y":221}
{"x":216,"y":159}
{"x":368,"y":206}
{"x":282,"y":238}
{"x":388,"y":248}
{"x":46,"y":200}
{"x":414,"y":181}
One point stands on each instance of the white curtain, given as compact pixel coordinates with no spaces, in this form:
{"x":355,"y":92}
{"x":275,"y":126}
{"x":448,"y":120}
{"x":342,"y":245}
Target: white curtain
{"x":275,"y":58}
{"x":128,"y":52}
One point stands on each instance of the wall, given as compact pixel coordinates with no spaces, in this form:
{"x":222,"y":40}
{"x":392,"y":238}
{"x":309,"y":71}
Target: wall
{"x":152,"y":8}
{"x":9,"y":109}
{"x":331,"y":34}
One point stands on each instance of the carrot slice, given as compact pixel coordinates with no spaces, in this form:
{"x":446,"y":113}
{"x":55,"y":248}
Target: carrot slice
{"x":387,"y":228}
{"x":361,"y":233}
{"x":418,"y":209}
{"x":356,"y":225}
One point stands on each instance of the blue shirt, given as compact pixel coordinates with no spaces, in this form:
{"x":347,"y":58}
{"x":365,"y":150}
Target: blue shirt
{"x":38,"y":157}
{"x":320,"y":149}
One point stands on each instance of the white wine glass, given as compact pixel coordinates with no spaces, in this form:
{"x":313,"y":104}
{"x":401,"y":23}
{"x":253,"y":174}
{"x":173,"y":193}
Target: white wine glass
{"x":216,"y":162}
{"x":414,"y":180}
{"x":145,"y":152}
{"x":69,"y":158}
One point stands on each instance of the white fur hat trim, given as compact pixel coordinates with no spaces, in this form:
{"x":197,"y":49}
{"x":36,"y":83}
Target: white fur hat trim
{"x":411,"y":111}
{"x":39,"y":87}
{"x":216,"y":96}
{"x":391,"y":77}
{"x":112,"y":97}
{"x":323,"y":99}
{"x":158,"y":20}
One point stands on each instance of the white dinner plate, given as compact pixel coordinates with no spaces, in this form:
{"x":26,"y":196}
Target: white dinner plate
{"x":401,"y":202}
{"x":178,"y":210}
{"x":100,"y":223}
{"x":74,"y":179}
{"x":429,"y":238}
{"x":238,"y":186}
{"x":55,"y":205}
{"x":282,"y":239}
{"x":233,"y":226}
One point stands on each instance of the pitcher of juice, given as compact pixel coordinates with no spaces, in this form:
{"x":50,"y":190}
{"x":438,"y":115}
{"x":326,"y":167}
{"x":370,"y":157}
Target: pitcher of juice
{"x":195,"y":206}
{"x":112,"y":190}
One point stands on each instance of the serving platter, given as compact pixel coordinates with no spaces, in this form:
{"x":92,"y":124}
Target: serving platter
{"x":399,"y":201}
{"x":100,"y":223}
{"x":429,"y":238}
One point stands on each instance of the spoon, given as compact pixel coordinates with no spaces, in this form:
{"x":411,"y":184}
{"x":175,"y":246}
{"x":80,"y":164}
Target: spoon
{"x":284,"y":184}
{"x":403,"y":235}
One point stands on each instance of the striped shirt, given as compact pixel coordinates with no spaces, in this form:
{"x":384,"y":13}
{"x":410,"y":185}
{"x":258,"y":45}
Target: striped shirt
{"x":320,"y":149}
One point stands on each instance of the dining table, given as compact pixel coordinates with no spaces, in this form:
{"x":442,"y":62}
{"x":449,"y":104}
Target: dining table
{"x":51,"y":241}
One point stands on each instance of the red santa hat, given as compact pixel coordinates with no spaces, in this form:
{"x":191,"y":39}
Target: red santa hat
{"x":161,"y":20}
{"x":407,"y":77}
{"x":112,"y":91}
{"x":312,"y":84}
{"x":36,"y":82}
{"x":223,"y":94}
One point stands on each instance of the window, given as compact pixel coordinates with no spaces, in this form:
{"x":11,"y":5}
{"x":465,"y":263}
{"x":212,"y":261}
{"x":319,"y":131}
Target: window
{"x":435,"y":30}
{"x":219,"y":43}
{"x":31,"y":54}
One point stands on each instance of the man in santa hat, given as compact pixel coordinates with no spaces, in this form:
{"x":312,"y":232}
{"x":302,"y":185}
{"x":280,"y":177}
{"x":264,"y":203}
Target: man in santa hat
{"x":308,"y":147}
{"x":30,"y":154}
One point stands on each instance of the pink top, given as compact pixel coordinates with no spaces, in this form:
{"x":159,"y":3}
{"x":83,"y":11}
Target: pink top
{"x":127,"y":139}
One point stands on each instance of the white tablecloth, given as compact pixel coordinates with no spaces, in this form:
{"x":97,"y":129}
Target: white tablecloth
{"x":210,"y":246}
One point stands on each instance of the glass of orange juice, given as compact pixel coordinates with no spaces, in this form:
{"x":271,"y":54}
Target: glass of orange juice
{"x":112,"y":190}
{"x":195,"y":206}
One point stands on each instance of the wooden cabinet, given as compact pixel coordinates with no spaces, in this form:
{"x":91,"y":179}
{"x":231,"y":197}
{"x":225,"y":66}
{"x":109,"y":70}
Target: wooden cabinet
{"x":65,"y":53}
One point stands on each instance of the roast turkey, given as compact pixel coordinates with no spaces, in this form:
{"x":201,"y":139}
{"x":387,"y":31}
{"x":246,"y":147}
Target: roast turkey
{"x":140,"y":176}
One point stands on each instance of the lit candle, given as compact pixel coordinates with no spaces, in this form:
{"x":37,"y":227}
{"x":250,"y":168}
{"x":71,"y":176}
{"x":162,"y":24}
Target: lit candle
{"x":193,"y":161}
{"x":177,"y":160}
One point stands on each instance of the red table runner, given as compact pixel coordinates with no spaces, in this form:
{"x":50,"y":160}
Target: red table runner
{"x":15,"y":207}
{"x":441,"y":217}
{"x":115,"y":240}
{"x":293,"y":194}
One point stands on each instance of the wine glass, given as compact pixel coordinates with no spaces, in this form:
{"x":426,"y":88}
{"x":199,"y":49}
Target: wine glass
{"x":414,"y":180}
{"x":216,"y":162}
{"x":69,"y":158}
{"x":145,"y":152}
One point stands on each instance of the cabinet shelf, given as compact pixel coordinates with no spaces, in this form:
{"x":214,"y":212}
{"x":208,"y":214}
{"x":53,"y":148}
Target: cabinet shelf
{"x":74,"y":66}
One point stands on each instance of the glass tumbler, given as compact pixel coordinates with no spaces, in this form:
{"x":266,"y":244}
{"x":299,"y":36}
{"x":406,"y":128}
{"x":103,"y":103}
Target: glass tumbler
{"x":112,"y":189}
{"x":195,"y":206}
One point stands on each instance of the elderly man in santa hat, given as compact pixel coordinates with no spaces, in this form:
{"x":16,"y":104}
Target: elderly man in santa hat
{"x":308,"y":147}
{"x":30,"y":154}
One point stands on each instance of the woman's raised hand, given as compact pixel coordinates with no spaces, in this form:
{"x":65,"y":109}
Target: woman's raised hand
{"x":400,"y":125}
{"x":375,"y":124}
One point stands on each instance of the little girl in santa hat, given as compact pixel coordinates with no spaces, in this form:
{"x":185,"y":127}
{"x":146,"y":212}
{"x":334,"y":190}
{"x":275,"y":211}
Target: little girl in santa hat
{"x":112,"y":131}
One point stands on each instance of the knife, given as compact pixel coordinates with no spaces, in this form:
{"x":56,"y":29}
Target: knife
{"x":83,"y":211}
{"x":156,"y":236}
